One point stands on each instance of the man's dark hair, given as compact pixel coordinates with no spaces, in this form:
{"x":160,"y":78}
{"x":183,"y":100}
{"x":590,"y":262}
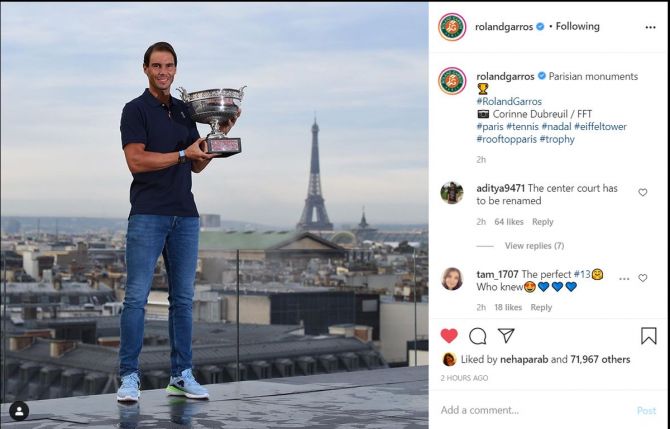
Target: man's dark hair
{"x":160,"y":46}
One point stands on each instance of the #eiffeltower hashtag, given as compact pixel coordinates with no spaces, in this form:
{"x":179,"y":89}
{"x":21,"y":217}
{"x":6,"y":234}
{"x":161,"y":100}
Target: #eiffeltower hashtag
{"x":314,"y":203}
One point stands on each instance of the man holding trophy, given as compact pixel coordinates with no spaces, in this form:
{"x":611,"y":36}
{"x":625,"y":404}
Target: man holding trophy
{"x":162,"y":148}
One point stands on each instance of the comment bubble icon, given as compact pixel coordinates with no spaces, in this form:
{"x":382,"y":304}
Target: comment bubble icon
{"x":478,"y":336}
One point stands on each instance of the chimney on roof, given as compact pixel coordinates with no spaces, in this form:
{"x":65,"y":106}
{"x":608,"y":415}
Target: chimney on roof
{"x":58,"y":348}
{"x":109,"y":341}
{"x":20,"y":342}
{"x":363,"y":333}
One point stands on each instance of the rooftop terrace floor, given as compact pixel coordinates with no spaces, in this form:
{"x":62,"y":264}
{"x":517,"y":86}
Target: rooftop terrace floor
{"x":384,"y":398}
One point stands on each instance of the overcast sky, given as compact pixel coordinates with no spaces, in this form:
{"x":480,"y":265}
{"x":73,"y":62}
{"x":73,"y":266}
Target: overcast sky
{"x":69,"y":68}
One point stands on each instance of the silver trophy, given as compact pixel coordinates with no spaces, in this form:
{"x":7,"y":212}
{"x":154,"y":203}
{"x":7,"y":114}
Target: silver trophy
{"x":214,"y":107}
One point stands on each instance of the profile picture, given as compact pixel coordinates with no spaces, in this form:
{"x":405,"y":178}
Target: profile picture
{"x":452,"y":80}
{"x":449,"y":359}
{"x":451,"y":192}
{"x":452,"y":279}
{"x":452,"y":26}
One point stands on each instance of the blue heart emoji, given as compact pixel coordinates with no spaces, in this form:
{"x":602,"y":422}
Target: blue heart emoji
{"x":557,"y":285}
{"x":571,"y":286}
{"x":543,"y":286}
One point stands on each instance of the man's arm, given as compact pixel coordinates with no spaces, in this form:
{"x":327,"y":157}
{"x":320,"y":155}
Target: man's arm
{"x":198,"y":166}
{"x":142,"y":161}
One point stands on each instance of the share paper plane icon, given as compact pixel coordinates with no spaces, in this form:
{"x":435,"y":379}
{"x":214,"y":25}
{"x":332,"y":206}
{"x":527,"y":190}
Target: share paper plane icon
{"x":506,"y":333}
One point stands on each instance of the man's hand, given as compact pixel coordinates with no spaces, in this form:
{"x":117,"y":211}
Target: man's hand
{"x":225,"y":127}
{"x":196,"y":152}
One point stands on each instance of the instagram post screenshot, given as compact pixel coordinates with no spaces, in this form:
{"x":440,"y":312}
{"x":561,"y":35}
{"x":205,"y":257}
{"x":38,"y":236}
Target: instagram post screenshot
{"x":377,"y":215}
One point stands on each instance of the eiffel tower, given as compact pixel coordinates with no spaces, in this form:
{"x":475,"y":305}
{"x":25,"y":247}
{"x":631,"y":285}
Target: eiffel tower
{"x":314,"y":201}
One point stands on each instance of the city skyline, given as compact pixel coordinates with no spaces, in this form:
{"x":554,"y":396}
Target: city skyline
{"x":362,"y":67}
{"x":81,"y":224}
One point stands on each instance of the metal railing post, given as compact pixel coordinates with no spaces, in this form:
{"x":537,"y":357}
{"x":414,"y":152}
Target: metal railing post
{"x":414,"y":293}
{"x":237,"y":316}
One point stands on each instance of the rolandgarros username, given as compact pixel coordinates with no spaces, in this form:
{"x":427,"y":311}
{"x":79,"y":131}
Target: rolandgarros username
{"x":560,"y":26}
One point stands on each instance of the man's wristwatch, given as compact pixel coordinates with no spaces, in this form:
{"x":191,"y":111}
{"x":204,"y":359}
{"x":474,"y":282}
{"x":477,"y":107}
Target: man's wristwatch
{"x":182,"y":157}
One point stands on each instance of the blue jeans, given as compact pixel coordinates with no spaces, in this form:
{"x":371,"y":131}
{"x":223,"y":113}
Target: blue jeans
{"x":177,"y":239}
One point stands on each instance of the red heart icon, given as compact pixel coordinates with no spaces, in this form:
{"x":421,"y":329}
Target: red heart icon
{"x":449,"y":335}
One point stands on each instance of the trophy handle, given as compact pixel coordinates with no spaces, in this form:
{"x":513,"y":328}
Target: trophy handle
{"x":183,"y":92}
{"x":242,"y":91}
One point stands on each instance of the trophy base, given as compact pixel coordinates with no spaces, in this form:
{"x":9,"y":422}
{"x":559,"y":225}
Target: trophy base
{"x":223,"y":147}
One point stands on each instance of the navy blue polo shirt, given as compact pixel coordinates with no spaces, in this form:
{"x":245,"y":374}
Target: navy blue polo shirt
{"x":161,"y":129}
